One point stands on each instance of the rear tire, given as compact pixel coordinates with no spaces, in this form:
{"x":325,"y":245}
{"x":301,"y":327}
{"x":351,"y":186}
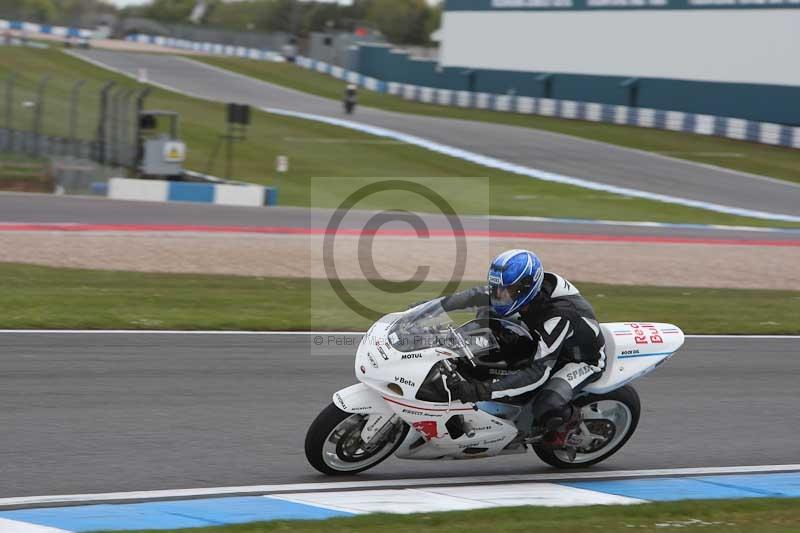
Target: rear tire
{"x":325,"y":449}
{"x":626,"y":396}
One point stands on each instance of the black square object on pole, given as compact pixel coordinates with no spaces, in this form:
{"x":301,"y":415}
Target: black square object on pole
{"x":147,"y":122}
{"x":239,"y":114}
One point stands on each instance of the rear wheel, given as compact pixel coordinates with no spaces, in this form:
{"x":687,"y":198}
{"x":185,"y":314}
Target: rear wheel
{"x":608,"y":421}
{"x":334,"y":445}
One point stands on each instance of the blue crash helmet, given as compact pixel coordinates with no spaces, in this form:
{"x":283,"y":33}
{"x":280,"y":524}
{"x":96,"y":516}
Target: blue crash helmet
{"x":515,"y":278}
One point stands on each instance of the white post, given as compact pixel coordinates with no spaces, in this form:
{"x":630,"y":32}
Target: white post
{"x":282,"y":164}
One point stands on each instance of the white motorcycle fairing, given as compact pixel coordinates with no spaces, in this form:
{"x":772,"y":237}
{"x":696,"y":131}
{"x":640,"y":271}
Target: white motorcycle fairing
{"x":633,"y":350}
{"x":391,"y":379}
{"x":359,"y":398}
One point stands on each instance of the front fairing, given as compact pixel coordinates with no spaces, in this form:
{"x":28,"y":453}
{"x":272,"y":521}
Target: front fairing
{"x":386,"y":362}
{"x":401,"y":354}
{"x":406,"y":372}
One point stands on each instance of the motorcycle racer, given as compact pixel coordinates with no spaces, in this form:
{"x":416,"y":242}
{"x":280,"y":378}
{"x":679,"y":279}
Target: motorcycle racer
{"x":569,"y":346}
{"x":350,"y":98}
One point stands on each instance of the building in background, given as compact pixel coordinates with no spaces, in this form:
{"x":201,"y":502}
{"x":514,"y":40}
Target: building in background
{"x":735,"y":58}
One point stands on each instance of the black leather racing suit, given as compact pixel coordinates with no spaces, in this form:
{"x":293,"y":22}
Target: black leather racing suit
{"x":569,"y":346}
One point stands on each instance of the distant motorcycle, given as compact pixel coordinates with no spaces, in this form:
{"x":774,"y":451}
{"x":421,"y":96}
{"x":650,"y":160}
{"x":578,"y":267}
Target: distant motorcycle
{"x":402,"y":404}
{"x":350,"y":99}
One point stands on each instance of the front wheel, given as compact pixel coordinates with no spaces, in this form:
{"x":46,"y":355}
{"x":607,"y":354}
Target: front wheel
{"x":608,"y":421}
{"x":334,"y":445}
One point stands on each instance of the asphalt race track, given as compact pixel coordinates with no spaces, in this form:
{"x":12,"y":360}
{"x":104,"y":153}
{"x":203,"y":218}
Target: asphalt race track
{"x":571,"y":156}
{"x":47,"y":209}
{"x":118,"y":411}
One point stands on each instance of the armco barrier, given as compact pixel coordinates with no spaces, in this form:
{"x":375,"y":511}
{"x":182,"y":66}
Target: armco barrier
{"x":732,"y":128}
{"x":45,"y":29}
{"x":207,"y":48}
{"x":181,"y":191}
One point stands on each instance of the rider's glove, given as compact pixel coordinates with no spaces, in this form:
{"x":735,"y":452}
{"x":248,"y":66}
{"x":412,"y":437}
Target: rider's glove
{"x":468,"y":391}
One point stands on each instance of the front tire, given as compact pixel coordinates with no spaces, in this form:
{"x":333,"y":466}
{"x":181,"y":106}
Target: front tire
{"x":334,"y":438}
{"x":615,"y":415}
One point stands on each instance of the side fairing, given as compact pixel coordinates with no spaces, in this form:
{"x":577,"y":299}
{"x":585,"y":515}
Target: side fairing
{"x":359,"y":398}
{"x":634,"y":349}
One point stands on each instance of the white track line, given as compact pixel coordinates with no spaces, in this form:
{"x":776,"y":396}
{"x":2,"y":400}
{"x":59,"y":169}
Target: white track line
{"x":176,"y":332}
{"x":743,"y":336}
{"x":634,"y":223}
{"x":552,"y":134}
{"x":14,"y":526}
{"x":391,"y":483}
{"x":535,"y":173}
{"x":287,"y":333}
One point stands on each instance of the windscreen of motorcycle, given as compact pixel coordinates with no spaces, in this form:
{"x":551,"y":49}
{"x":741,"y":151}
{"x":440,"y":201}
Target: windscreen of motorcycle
{"x":424,"y":326}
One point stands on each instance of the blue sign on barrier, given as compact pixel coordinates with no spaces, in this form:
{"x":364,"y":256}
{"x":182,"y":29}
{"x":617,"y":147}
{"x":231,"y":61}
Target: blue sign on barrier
{"x":190,"y":192}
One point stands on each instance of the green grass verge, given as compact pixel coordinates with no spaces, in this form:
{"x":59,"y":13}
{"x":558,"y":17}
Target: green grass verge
{"x":43,"y":297}
{"x":316,"y":149}
{"x":729,"y":516}
{"x":778,"y":162}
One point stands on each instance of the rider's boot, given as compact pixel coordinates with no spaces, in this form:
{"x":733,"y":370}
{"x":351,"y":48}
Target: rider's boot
{"x":558,"y":429}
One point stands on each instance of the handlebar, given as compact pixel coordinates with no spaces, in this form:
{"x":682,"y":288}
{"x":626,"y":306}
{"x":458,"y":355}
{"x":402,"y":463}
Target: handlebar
{"x":449,"y":369}
{"x":463,"y":345}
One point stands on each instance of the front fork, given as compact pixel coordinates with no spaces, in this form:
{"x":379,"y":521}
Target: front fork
{"x":377,"y":427}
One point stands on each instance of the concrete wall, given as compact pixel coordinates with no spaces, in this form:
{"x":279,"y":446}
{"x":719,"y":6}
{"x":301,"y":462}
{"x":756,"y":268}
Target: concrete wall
{"x":334,"y":48}
{"x":251,"y":39}
{"x":176,"y":191}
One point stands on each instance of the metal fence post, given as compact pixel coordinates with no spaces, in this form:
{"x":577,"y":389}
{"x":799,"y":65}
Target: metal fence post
{"x":115,"y":126}
{"x":102,"y":129}
{"x":38,"y":112}
{"x":138,"y":148}
{"x":10,"y":111}
{"x":125,"y":144}
{"x":73,"y":117}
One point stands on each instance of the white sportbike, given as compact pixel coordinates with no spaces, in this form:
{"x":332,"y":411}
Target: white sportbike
{"x":402,"y":404}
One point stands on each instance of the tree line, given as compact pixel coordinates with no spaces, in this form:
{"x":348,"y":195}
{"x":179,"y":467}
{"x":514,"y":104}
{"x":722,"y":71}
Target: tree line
{"x":400,"y":21}
{"x":54,"y":11}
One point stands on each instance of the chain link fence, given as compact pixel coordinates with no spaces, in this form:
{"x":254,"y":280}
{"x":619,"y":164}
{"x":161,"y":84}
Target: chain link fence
{"x":78,"y":124}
